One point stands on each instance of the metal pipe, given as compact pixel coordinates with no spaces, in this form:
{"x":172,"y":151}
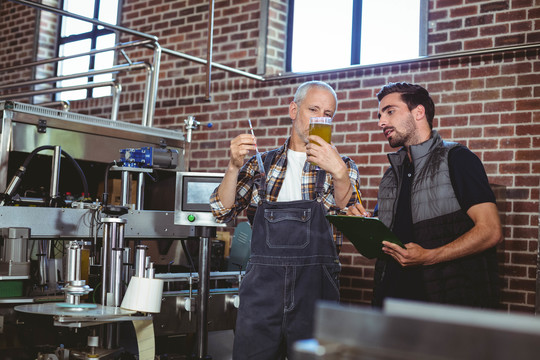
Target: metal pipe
{"x":105,"y":259}
{"x":140,"y":192}
{"x":215,"y":275}
{"x":116,"y":90}
{"x":215,"y":65}
{"x":55,"y":175}
{"x":117,"y":256}
{"x":112,"y":276}
{"x":209,"y":45}
{"x":147,"y":94}
{"x":281,"y":76}
{"x":84,"y":18}
{"x":56,"y":90}
{"x":140,"y":260}
{"x":125,"y":185}
{"x":42,"y":258}
{"x":63,"y":103}
{"x":154,"y":80}
{"x":202,"y":295}
{"x":74,"y":262}
{"x":126,"y":263}
{"x":446,"y":56}
{"x":88,"y":53}
{"x":114,"y":69}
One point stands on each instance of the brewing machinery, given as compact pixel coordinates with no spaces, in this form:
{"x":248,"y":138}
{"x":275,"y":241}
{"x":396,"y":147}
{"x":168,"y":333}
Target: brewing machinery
{"x":89,"y":206}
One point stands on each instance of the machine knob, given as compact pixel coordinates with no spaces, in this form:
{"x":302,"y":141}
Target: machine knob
{"x":186,"y":303}
{"x":234,"y":301}
{"x":191,"y":218}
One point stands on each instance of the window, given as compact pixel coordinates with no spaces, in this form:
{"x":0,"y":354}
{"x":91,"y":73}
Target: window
{"x":335,"y":34}
{"x":77,"y":36}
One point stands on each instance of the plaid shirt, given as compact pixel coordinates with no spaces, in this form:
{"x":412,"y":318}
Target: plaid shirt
{"x":247,"y":194}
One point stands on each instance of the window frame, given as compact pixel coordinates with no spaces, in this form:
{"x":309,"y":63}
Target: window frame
{"x":357,"y":34}
{"x":92,"y":35}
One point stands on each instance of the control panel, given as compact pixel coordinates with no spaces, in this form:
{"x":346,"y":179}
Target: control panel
{"x":192,"y":204}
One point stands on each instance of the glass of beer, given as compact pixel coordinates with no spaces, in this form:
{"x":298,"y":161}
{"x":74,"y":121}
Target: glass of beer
{"x":321,"y":126}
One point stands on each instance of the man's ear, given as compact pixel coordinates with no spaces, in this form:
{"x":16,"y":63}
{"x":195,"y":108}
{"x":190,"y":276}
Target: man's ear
{"x":293,"y":110}
{"x":419,"y":112}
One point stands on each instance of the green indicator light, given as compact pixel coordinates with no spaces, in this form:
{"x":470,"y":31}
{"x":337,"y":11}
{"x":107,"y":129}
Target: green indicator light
{"x":191,"y":218}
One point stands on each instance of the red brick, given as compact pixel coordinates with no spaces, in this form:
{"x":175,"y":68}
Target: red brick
{"x":515,"y":168}
{"x":500,"y":106}
{"x":485,"y":71}
{"x":478,"y":44}
{"x":494,"y":30}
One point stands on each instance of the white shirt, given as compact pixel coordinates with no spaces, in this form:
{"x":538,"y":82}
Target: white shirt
{"x":292,"y":184}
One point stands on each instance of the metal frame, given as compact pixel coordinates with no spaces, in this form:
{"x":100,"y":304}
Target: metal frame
{"x":152,"y":92}
{"x":415,"y":330}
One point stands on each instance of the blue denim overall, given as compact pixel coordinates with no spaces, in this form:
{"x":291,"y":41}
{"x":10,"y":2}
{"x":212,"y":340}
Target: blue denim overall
{"x":293,"y":264}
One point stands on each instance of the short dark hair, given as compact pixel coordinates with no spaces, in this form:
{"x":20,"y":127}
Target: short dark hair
{"x":412,"y":95}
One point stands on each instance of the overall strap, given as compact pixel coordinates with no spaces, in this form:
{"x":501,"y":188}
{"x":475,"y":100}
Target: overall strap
{"x":319,"y":183}
{"x":262,"y":179}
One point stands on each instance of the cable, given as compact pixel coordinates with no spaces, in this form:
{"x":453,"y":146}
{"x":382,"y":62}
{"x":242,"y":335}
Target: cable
{"x":105,"y":197}
{"x":188,"y":255}
{"x":17,"y":178}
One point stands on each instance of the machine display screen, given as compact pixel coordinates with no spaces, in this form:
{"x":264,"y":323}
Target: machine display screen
{"x":196,"y":192}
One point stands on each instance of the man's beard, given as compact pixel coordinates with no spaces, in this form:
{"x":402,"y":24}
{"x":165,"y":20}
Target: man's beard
{"x":399,"y":139}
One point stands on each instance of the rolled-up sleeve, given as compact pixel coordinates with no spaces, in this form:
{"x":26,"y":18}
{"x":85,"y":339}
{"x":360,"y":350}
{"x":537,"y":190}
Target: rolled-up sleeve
{"x":243,"y":195}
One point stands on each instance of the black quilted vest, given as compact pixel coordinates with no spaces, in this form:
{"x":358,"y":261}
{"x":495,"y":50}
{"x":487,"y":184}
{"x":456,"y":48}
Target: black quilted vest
{"x":438,"y":220}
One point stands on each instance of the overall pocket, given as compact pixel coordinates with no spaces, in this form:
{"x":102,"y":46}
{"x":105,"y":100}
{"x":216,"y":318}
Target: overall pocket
{"x":287,"y":228}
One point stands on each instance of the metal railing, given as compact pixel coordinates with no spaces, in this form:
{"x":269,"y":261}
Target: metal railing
{"x":151,"y":41}
{"x":153,"y":68}
{"x":116,"y":89}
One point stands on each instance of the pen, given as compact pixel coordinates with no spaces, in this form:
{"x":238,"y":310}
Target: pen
{"x":358,"y":195}
{"x":258,"y":154}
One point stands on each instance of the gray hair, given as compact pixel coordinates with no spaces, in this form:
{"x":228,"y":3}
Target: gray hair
{"x":303,"y":89}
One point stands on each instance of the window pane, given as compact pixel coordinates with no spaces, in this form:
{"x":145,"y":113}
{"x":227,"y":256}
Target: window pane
{"x":72,"y":26}
{"x":74,"y":66}
{"x":389,"y":35}
{"x":321,"y":35}
{"x":108,"y":11}
{"x":104,"y":61}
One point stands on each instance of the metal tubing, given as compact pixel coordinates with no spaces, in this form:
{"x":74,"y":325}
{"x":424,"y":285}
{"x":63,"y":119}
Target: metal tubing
{"x":117,"y":275}
{"x":89,"y":53}
{"x":209,"y":45}
{"x":202,"y":313}
{"x":154,"y":80}
{"x":42,"y":257}
{"x":127,"y":265}
{"x":63,"y":103}
{"x":214,"y":275}
{"x":116,"y":90}
{"x":126,"y":185}
{"x":140,"y":260}
{"x":24,"y":94}
{"x":55,"y":173}
{"x":446,"y":56}
{"x":140,"y":192}
{"x":74,"y":262}
{"x":287,"y":76}
{"x":215,"y":65}
{"x":84,"y":18}
{"x":114,"y":69}
{"x":147,"y":93}
{"x":113,"y":237}
{"x":105,"y":259}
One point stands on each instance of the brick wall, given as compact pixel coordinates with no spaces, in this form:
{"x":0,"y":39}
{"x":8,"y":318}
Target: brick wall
{"x":490,"y":103}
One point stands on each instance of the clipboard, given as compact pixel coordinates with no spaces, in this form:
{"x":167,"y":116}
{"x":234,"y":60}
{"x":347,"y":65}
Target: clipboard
{"x":365,"y":233}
